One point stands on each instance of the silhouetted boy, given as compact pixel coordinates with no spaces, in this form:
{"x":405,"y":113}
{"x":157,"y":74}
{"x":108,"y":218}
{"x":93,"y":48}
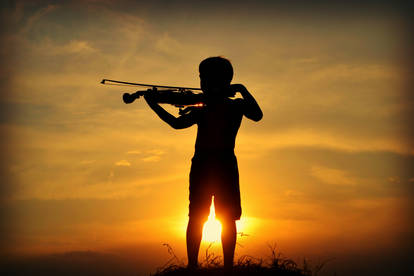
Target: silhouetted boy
{"x":214,"y":168}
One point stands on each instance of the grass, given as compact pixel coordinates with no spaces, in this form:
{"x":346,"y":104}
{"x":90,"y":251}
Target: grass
{"x":276,"y":264}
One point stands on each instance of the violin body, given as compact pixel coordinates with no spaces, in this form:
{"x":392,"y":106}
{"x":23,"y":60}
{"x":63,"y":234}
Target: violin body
{"x":171,"y":96}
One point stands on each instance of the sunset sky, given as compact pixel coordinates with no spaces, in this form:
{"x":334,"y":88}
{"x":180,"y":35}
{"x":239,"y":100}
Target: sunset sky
{"x":327,"y":174}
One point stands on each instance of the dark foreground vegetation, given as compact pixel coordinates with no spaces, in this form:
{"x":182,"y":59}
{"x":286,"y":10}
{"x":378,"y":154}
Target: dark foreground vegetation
{"x":89,"y":263}
{"x":245,"y":265}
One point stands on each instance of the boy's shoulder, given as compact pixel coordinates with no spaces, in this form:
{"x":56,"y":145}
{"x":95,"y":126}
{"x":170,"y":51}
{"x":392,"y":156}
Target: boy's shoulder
{"x":236,"y":102}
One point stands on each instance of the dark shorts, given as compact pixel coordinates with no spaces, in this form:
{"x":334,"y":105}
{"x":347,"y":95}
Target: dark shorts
{"x":215,"y":175}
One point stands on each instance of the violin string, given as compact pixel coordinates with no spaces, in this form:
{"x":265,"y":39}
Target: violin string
{"x":131,"y":85}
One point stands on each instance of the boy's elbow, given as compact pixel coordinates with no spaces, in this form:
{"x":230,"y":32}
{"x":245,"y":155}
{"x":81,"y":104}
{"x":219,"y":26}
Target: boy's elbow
{"x":257,"y":116}
{"x":172,"y":122}
{"x":175,"y":125}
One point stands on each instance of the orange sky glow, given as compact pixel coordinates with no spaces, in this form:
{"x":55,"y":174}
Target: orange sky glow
{"x":328,"y":172}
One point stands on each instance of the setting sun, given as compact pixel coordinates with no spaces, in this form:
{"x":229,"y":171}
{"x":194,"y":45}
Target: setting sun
{"x":212,"y":227}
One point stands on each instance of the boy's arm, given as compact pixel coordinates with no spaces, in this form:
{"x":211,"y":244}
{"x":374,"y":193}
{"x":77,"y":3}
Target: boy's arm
{"x":250,"y":107}
{"x":176,"y":123}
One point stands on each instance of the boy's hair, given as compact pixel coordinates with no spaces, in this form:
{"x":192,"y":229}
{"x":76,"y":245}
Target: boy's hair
{"x":218,"y":68}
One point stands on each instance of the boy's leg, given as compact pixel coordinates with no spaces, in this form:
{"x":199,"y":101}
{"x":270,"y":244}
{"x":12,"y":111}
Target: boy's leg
{"x":228,"y":240}
{"x":194,"y":235}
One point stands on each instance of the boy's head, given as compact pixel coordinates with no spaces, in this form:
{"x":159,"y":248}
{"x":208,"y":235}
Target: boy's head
{"x":216,"y":73}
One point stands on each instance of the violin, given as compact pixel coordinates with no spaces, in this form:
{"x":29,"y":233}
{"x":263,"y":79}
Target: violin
{"x":182,"y":97}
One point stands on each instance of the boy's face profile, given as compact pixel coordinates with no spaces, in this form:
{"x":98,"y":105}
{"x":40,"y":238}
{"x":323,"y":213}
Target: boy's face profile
{"x":213,"y":85}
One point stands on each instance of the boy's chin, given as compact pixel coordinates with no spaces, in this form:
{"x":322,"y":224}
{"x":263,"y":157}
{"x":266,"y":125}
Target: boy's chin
{"x":218,"y":97}
{"x":219,"y":91}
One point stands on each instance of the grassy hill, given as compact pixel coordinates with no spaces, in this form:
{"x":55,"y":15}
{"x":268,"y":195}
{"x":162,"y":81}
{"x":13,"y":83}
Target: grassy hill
{"x":245,"y":265}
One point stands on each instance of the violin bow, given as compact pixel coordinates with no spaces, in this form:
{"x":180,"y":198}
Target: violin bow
{"x":115,"y":82}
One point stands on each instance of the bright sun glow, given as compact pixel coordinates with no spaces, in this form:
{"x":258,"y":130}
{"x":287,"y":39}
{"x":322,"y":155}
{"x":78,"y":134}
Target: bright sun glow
{"x":212,"y":227}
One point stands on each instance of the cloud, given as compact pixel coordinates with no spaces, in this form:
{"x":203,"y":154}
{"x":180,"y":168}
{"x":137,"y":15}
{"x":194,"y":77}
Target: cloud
{"x":293,"y":193}
{"x":251,"y":143}
{"x":394,"y":179}
{"x":75,"y":47}
{"x":48,"y":49}
{"x":153,"y":158}
{"x":157,"y":152}
{"x":87,"y":162}
{"x":356,"y":73}
{"x":168,"y":45}
{"x":153,"y":155}
{"x":332,"y":176}
{"x":33,"y":19}
{"x":134,"y":152}
{"x":123,"y":163}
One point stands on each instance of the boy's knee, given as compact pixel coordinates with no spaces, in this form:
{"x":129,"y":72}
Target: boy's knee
{"x":227,"y":217}
{"x":227,"y":222}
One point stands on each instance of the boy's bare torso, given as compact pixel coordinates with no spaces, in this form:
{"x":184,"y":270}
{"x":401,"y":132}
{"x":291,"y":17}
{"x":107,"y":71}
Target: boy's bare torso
{"x":218,"y":125}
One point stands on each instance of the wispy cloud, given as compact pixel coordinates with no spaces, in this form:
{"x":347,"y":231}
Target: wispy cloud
{"x":72,"y":47}
{"x":135,"y":152}
{"x":250,"y":144}
{"x":87,"y":162}
{"x":153,"y":158}
{"x":332,"y":176}
{"x":153,"y":155}
{"x":36,"y":17}
{"x":123,"y":163}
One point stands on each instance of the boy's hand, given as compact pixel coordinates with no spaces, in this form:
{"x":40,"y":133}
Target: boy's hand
{"x":234,"y":88}
{"x":250,"y":107}
{"x":150,"y":96}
